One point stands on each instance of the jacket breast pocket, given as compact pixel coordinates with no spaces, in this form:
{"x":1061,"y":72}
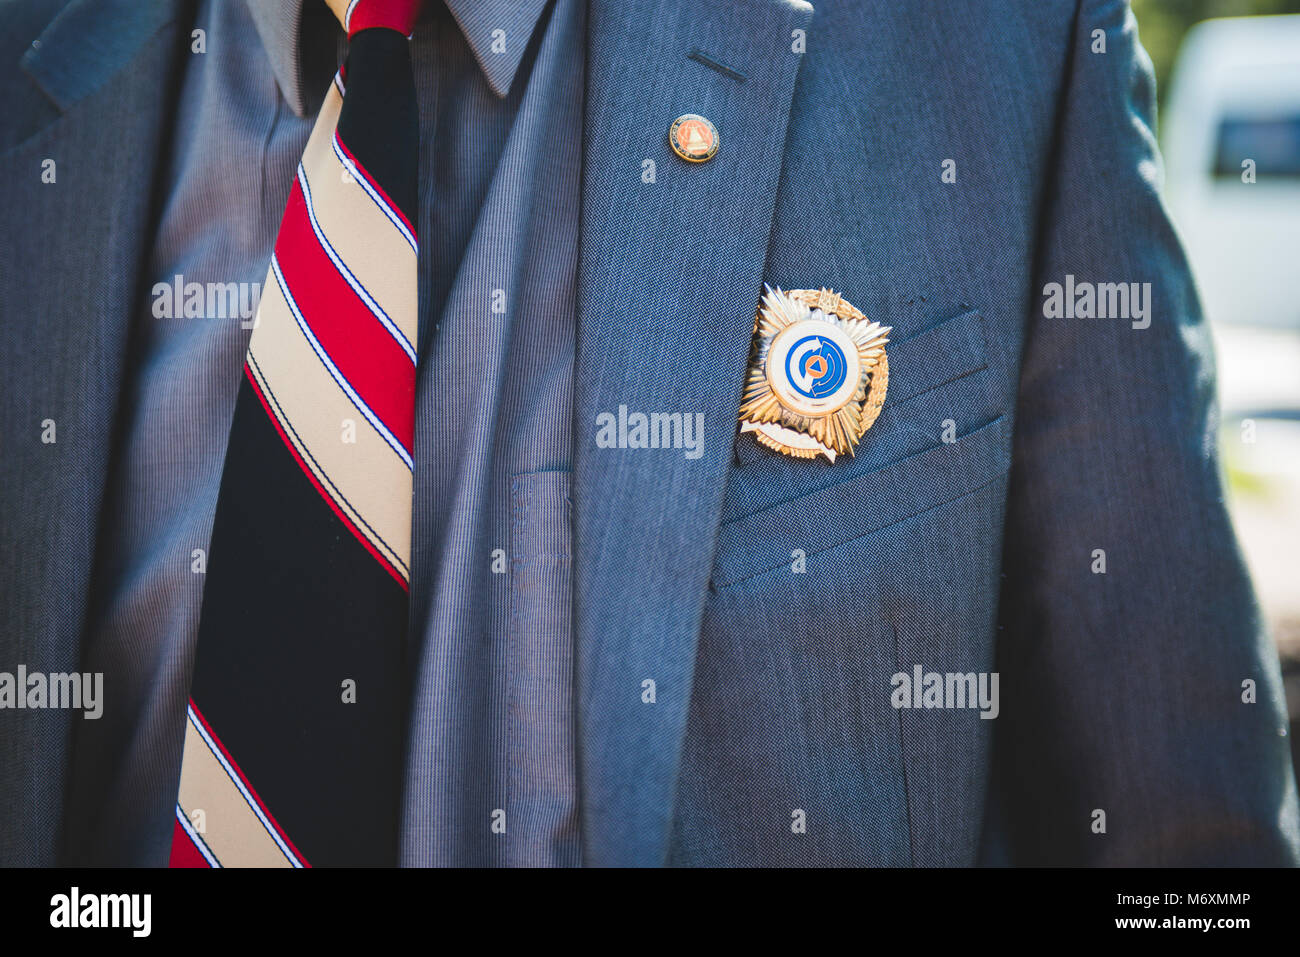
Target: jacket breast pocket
{"x":941,"y":435}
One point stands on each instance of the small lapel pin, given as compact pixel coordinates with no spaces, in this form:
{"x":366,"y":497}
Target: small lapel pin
{"x":817,"y":374}
{"x":693,"y":138}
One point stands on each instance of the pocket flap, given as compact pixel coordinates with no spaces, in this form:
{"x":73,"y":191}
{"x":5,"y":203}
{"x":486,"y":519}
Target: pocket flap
{"x":839,"y":513}
{"x":936,"y":356}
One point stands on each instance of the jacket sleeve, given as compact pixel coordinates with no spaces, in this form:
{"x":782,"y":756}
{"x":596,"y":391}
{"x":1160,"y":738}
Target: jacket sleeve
{"x":1122,"y":691}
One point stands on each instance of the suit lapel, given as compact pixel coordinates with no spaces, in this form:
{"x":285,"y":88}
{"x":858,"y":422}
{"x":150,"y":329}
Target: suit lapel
{"x":72,"y":250}
{"x":670,"y":272}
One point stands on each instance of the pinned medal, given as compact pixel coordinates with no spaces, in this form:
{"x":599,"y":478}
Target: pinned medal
{"x":817,"y":374}
{"x":693,"y":138}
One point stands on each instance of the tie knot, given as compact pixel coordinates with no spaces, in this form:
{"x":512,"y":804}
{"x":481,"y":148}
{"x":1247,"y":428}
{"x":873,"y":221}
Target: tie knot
{"x":358,"y":15}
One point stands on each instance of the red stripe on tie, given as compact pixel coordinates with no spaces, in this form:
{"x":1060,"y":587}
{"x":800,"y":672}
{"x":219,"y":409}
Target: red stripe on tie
{"x":357,"y":167}
{"x":364,"y":351}
{"x":231,"y":761}
{"x":184,"y":852}
{"x":399,"y":15}
{"x":379,"y":556}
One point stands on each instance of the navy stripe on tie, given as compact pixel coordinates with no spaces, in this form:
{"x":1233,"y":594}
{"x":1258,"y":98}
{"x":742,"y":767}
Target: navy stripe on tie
{"x":267,"y":682}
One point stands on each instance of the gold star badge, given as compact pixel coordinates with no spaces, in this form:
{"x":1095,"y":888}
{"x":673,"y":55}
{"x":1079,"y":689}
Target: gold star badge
{"x":817,"y":374}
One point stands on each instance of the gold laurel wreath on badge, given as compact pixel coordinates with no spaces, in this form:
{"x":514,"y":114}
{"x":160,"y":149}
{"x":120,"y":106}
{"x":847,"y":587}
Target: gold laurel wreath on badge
{"x":818,"y":373}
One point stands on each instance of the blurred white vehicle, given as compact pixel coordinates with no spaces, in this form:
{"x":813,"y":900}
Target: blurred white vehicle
{"x":1234,"y":99}
{"x":1234,"y":109}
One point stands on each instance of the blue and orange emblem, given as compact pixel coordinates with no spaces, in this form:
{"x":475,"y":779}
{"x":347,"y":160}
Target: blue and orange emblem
{"x":694,"y":138}
{"x":818,"y":374}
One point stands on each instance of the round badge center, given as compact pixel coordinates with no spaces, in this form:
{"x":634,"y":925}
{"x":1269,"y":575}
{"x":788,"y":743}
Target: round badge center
{"x":813,"y":367}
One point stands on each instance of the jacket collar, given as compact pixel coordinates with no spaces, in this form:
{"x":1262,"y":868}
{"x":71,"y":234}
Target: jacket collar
{"x":669,"y":277}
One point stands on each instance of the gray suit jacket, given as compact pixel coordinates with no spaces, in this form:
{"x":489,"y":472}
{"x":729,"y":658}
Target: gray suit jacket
{"x":771,"y":736}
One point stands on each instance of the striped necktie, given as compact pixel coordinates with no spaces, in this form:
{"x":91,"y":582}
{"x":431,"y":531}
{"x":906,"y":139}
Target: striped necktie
{"x":294,"y":735}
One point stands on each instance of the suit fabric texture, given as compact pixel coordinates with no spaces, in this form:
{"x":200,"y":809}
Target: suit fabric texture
{"x":1119,"y":691}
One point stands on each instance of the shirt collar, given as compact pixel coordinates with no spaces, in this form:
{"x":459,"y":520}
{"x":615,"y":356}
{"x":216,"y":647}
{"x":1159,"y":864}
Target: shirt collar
{"x":498,"y":31}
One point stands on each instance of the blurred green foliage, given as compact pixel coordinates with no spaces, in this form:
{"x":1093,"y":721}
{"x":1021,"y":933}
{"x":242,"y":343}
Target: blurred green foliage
{"x":1162,"y":24}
